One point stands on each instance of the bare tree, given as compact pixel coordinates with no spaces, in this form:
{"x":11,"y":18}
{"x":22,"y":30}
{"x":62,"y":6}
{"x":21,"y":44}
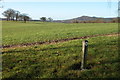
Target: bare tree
{"x":9,"y":14}
{"x":50,"y":19}
{"x":25,"y":17}
{"x":20,"y":17}
{"x":43,"y":19}
{"x":17,"y":14}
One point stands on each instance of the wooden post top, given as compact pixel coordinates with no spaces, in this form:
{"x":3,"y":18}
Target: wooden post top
{"x":86,"y":40}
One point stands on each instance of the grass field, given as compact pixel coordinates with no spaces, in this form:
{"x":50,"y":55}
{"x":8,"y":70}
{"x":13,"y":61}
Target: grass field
{"x":63,"y":60}
{"x":19,"y":33}
{"x":59,"y":60}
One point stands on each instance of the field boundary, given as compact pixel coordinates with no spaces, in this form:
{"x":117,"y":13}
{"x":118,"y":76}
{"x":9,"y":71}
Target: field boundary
{"x":57,"y":41}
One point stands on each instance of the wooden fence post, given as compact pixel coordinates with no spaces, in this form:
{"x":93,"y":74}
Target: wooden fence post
{"x":84,"y":54}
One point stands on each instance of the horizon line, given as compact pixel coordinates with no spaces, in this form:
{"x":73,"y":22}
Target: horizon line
{"x":70,"y":18}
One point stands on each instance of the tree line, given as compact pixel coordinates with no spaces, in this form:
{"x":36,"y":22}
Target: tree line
{"x":114,"y":20}
{"x":44,"y":19}
{"x":15,"y":15}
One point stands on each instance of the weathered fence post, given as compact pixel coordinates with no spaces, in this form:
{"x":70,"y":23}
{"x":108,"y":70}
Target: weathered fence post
{"x":84,"y":54}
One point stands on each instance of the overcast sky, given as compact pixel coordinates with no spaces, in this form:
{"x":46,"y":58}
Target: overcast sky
{"x":63,"y":10}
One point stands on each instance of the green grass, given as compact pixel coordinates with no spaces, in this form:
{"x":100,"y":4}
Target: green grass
{"x":18,"y":32}
{"x":62,"y":60}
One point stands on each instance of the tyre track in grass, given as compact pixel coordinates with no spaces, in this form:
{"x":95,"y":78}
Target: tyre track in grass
{"x":57,"y":41}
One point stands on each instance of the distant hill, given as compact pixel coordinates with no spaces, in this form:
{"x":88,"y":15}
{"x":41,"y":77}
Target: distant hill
{"x":86,"y":19}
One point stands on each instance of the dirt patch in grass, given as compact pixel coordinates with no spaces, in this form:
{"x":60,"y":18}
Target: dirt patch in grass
{"x":57,"y":41}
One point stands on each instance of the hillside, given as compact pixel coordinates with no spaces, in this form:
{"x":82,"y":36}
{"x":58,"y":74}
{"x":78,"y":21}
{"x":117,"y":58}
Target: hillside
{"x":86,"y":18}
